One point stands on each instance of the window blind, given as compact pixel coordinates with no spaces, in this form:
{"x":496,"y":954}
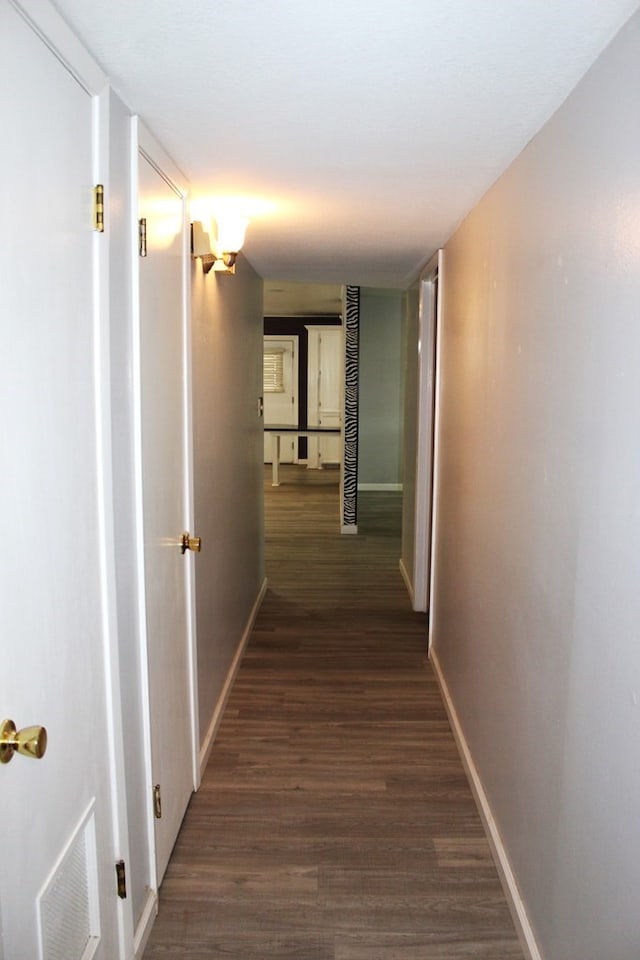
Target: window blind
{"x":273,"y":370}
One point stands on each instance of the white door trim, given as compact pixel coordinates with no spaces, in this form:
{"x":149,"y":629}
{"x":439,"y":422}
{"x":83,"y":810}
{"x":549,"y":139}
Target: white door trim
{"x":435,"y":474}
{"x":117,"y":741}
{"x":63,"y":43}
{"x":145,"y":695}
{"x":143,"y":143}
{"x":425,"y":447}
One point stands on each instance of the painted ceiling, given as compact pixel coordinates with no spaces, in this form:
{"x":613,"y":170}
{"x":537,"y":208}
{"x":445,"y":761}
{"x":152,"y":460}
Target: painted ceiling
{"x":357,"y":133}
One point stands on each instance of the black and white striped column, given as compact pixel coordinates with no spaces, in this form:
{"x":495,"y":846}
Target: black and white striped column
{"x":350,"y":457}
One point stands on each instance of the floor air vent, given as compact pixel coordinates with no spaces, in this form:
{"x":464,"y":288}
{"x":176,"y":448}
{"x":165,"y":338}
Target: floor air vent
{"x":68,"y":904}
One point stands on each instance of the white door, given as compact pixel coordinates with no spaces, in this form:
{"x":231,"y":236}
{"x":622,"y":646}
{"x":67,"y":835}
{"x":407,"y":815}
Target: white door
{"x":325,"y":389}
{"x":57,"y":868}
{"x":165,"y":503}
{"x":281,"y":392}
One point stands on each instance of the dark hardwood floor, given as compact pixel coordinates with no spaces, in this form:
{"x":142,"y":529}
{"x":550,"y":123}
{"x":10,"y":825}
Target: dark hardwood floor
{"x":334,"y":821}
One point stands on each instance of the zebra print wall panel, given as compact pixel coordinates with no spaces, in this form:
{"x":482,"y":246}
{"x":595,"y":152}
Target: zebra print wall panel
{"x":350,"y":458}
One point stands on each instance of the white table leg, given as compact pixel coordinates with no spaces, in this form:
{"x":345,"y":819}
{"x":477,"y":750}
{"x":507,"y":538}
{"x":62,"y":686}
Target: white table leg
{"x":275,"y":459}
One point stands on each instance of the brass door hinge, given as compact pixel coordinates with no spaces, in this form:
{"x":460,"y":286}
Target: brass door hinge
{"x":142,"y":236}
{"x":98,"y":208}
{"x":121,"y":878}
{"x":157,"y":802}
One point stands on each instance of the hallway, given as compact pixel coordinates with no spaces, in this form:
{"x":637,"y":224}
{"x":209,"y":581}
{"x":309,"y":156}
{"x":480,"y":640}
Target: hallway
{"x":334,"y":821}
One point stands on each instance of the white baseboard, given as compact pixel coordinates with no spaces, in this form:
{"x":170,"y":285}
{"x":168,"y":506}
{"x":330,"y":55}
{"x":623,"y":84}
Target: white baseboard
{"x":147,"y":920}
{"x":498,"y":851}
{"x":388,"y":487}
{"x":407,"y":581}
{"x":210,"y":737}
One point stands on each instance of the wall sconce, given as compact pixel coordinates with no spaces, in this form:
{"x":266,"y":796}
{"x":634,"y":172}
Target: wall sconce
{"x":219,"y":248}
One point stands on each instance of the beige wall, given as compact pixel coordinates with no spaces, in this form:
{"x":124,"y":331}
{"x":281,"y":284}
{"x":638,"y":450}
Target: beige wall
{"x":537,"y":600}
{"x":227,"y":381}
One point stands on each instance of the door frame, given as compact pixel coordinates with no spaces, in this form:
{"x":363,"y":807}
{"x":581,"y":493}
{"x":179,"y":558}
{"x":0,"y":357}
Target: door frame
{"x":54,"y":33}
{"x":430,"y":306}
{"x":104,"y":363}
{"x":295,"y":379}
{"x":143,"y":143}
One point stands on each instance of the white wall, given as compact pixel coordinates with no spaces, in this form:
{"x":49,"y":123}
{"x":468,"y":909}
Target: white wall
{"x":537,"y":600}
{"x":380,"y":388}
{"x":228,"y":452}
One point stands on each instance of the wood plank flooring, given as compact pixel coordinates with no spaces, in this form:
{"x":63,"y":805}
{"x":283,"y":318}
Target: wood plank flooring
{"x":335,"y":821}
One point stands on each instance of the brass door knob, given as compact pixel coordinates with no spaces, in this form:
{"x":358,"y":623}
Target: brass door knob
{"x":30,"y":741}
{"x":191,"y":543}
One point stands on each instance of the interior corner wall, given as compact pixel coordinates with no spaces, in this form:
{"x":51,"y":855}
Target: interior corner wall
{"x":537,"y":606}
{"x":226,"y":337}
{"x":380,"y":384}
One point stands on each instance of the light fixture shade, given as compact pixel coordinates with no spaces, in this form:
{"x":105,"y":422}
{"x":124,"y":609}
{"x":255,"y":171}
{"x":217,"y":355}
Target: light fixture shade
{"x":216,"y":239}
{"x":230,"y":233}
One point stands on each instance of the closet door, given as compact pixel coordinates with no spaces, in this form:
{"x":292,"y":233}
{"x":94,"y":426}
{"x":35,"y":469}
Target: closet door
{"x":325,"y":387}
{"x":165,"y":470}
{"x":57,"y":878}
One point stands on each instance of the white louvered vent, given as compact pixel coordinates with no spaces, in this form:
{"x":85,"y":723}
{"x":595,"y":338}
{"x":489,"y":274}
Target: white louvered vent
{"x":273,"y":370}
{"x":68,"y":904}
